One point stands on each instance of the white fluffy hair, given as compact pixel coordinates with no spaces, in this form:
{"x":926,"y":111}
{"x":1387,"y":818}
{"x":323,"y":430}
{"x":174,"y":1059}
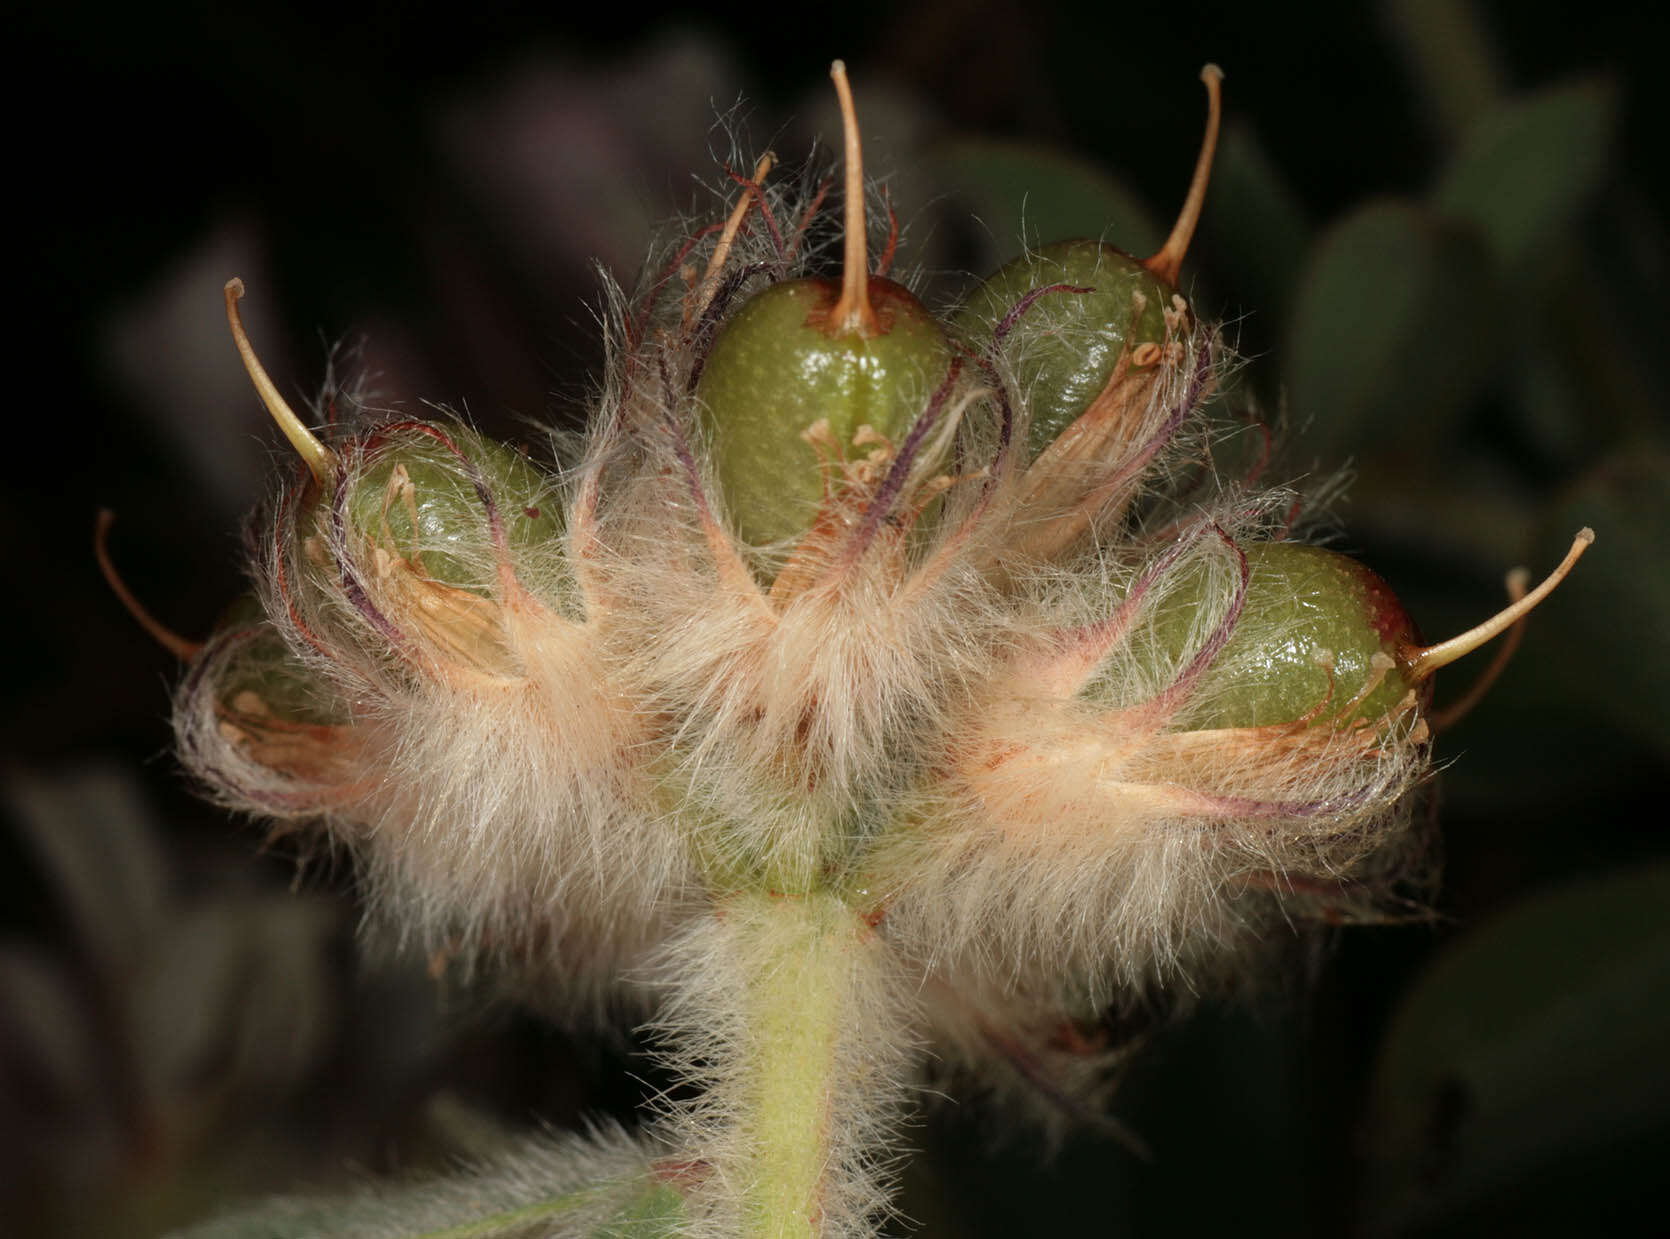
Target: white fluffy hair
{"x":600,"y":758}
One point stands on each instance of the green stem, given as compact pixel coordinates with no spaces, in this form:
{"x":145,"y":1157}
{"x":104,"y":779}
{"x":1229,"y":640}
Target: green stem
{"x":810,"y":960}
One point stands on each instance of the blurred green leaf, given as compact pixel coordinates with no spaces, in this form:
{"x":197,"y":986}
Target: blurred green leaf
{"x":1532,"y":1042}
{"x":235,"y":995}
{"x":1391,"y":335}
{"x":1256,"y":225}
{"x":46,"y":1037}
{"x":1525,"y":171}
{"x":1612,"y":613}
{"x":1040,"y":195}
{"x":98,"y":846}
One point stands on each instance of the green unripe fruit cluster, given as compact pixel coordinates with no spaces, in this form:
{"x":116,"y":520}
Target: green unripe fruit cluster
{"x":1302,"y":602}
{"x":416,"y":499}
{"x":1065,"y":345}
{"x":776,"y":369}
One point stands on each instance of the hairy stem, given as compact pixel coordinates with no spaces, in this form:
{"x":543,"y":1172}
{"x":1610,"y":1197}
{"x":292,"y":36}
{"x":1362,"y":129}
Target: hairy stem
{"x":796,"y":1028}
{"x":797,"y":1008}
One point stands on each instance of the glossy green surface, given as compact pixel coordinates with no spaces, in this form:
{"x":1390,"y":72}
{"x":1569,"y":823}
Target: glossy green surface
{"x":263,"y":665}
{"x":1300,"y":599}
{"x":1066,"y":344}
{"x":772,"y":373}
{"x":443,"y":521}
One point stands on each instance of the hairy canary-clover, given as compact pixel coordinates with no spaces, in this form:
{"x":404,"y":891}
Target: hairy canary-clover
{"x":868,"y":682}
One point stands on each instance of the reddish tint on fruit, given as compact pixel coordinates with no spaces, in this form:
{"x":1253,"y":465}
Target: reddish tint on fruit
{"x":1307,"y":641}
{"x":1320,"y":638}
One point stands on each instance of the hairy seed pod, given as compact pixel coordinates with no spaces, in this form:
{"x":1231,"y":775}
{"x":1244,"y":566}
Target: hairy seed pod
{"x":789,"y":382}
{"x":1319,"y":637}
{"x":1074,"y":317}
{"x":429,"y":496}
{"x":1093,"y":303}
{"x":812,"y":386}
{"x":1319,"y":634}
{"x":263,"y":678}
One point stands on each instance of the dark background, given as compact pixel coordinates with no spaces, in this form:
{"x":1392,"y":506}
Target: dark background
{"x":178,"y":1027}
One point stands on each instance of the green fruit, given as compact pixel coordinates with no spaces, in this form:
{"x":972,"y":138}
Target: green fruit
{"x":775,"y":370}
{"x":1065,"y":345}
{"x":1301,"y":601}
{"x":263,"y":678}
{"x":420,"y":492}
{"x":418,"y":499}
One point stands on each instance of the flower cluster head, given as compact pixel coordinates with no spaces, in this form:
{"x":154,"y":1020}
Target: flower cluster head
{"x":944,"y":617}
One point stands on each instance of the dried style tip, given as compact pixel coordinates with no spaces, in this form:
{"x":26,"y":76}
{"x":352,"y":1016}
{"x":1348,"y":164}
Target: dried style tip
{"x":1420,"y":663}
{"x":181,"y":647}
{"x":818,"y":399}
{"x":1518,"y":582}
{"x":709,"y":282}
{"x":1167,"y":264}
{"x":320,"y":461}
{"x":852,"y":314}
